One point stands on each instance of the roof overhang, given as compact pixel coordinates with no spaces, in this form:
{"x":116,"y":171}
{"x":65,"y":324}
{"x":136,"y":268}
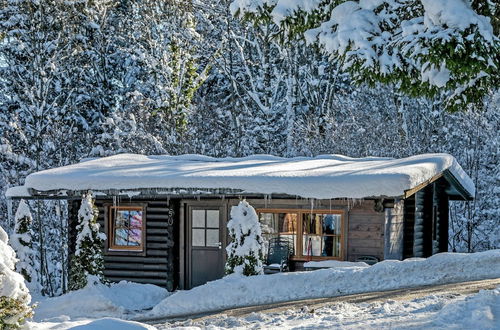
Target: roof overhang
{"x":455,"y":190}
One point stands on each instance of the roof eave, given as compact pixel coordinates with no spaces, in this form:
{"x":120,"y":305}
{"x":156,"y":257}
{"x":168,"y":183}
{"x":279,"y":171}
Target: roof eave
{"x":463,"y":194}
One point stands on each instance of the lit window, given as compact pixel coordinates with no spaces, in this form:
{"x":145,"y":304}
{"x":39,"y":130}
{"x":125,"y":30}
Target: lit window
{"x":126,"y":228}
{"x":315,"y":235}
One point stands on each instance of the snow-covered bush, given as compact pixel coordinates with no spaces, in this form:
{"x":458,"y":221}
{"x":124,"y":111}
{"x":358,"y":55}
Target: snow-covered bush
{"x":88,"y":259}
{"x":244,"y":253}
{"x":14,"y":295}
{"x":21,"y":242}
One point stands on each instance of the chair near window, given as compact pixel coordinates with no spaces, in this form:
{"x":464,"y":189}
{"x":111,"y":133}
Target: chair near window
{"x":278,"y":255}
{"x":370,"y":260}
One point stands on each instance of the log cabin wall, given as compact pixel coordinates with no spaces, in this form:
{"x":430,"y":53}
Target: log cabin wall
{"x":408,"y":226}
{"x":159,"y":262}
{"x":443,"y":210}
{"x":426,"y":221}
{"x":365,"y":230}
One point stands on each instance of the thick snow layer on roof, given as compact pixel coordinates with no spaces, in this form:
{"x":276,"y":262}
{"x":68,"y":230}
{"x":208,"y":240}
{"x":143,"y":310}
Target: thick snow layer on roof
{"x":325,"y":176}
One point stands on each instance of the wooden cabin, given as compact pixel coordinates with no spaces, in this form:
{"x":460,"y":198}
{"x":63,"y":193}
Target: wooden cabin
{"x":165,"y":216}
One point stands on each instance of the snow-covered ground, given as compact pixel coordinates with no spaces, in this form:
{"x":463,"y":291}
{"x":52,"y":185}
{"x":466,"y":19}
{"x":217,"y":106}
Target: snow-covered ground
{"x":118,"y":301}
{"x":133,"y":301}
{"x":237,"y":291}
{"x":447,"y":311}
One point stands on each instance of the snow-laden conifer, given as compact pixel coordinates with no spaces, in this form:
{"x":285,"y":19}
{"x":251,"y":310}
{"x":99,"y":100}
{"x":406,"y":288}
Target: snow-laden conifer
{"x":244,"y":253}
{"x":22,"y":243}
{"x":14,"y":295}
{"x":88,"y":259}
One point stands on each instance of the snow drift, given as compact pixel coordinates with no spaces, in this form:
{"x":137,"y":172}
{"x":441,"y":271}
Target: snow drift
{"x":236,"y":291}
{"x":99,"y":300}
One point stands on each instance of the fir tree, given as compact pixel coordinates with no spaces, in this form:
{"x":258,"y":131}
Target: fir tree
{"x":88,"y":259}
{"x":22,"y":242}
{"x":244,"y":253}
{"x":422,"y":48}
{"x":14,"y":295}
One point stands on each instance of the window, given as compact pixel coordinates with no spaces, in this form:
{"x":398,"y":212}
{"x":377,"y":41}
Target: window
{"x":126,"y":228}
{"x":205,"y":228}
{"x":318,"y":234}
{"x":281,"y":224}
{"x":321,"y":234}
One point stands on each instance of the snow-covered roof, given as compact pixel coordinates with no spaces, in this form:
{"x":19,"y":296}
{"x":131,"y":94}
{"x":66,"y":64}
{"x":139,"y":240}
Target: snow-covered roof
{"x":323,"y":177}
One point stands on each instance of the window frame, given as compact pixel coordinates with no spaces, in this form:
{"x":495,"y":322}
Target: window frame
{"x":111,"y":248}
{"x":299,"y":235}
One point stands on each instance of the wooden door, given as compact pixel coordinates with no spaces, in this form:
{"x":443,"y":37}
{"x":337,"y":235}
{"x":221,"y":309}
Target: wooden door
{"x":206,"y":242}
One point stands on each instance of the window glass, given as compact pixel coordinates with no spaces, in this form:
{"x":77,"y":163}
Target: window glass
{"x":213,"y":237}
{"x":198,"y":237}
{"x":199,"y":218}
{"x":321,"y":235}
{"x":278,"y":224}
{"x":126,"y":228}
{"x":213,"y":218}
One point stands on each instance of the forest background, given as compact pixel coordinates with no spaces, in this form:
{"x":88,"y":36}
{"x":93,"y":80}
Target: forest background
{"x":89,"y":78}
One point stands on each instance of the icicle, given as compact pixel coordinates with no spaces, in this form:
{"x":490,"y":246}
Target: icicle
{"x":10,"y":217}
{"x":114,"y":200}
{"x":168,"y":200}
{"x":58,"y":210}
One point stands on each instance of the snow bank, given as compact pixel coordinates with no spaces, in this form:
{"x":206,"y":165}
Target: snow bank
{"x":99,"y":300}
{"x":325,"y":176}
{"x":479,"y":311}
{"x":107,"y":323}
{"x":334,"y":264}
{"x":237,"y":291}
{"x":113,"y":324}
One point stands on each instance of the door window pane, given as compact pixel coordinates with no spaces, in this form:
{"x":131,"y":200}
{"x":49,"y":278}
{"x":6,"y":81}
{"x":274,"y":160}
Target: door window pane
{"x":213,"y":218}
{"x":199,"y":218}
{"x":198,"y":238}
{"x":213,"y":237}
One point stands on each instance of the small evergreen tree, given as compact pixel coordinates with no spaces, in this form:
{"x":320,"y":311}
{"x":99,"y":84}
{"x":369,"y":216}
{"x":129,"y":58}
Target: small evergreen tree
{"x":244,"y":253}
{"x":14,"y":295}
{"x":22,"y":243}
{"x":88,"y":259}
